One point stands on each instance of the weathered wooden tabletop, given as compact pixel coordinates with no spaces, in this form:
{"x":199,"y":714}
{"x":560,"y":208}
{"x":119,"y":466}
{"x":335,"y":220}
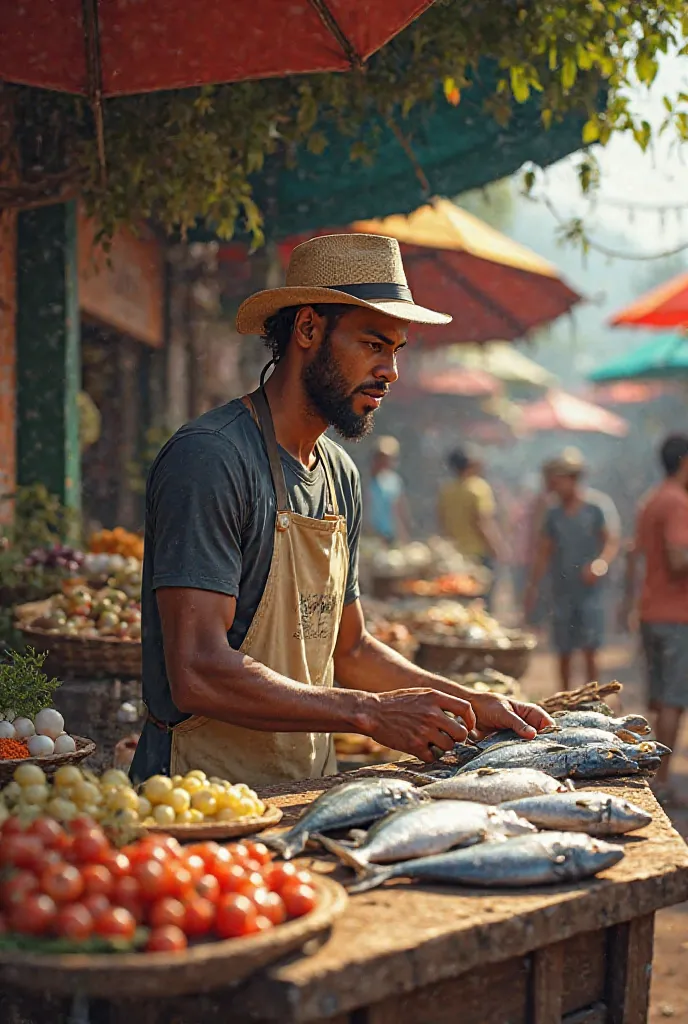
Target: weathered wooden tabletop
{"x":402,"y":937}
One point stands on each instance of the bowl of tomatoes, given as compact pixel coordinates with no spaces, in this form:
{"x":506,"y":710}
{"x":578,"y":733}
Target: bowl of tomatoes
{"x":93,"y":918}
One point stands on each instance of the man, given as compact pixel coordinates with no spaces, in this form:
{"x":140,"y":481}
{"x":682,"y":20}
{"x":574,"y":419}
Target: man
{"x":578,"y":540}
{"x":466,"y":512}
{"x":388,"y":508}
{"x":250,"y":592}
{"x":662,"y":543}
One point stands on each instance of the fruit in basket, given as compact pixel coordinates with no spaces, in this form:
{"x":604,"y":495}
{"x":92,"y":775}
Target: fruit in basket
{"x":68,"y":882}
{"x":117,"y":542}
{"x":86,"y":612}
{"x":41,"y":746}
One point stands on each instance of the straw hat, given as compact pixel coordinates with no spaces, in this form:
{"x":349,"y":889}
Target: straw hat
{"x":386,"y":445}
{"x":354,"y":270}
{"x":570,"y":462}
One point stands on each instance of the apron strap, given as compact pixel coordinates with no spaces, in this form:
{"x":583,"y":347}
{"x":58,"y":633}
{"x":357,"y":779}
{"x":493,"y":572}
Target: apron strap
{"x":260,"y":403}
{"x":332,"y":505}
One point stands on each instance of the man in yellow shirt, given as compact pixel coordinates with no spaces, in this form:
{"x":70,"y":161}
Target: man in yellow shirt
{"x":466,"y":512}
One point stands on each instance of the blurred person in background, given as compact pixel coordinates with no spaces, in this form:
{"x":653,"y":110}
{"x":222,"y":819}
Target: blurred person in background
{"x":466,"y":513}
{"x":388,"y":510}
{"x":545,"y":497}
{"x":661,"y":543}
{"x":577,"y":541}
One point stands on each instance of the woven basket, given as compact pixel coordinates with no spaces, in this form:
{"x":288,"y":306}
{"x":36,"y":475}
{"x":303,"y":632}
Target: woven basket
{"x":451,"y":655}
{"x":50,"y":764}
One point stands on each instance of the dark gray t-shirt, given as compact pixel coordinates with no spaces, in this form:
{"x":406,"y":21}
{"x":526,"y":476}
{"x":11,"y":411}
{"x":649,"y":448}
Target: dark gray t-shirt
{"x":577,"y":540}
{"x":210,"y":518}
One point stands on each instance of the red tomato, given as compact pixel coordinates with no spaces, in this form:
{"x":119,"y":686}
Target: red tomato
{"x":209,"y":888}
{"x":199,"y":916}
{"x":34,"y":915}
{"x":90,"y":846}
{"x":236,"y":916}
{"x":62,"y":882}
{"x":299,"y":899}
{"x":195,"y":865}
{"x":263,"y":923}
{"x":166,"y":911}
{"x":82,"y":823}
{"x":74,"y":922}
{"x":118,"y":864}
{"x":221,"y":856}
{"x":270,"y":905}
{"x":154,"y":878}
{"x":181,"y":881}
{"x":96,"y":903}
{"x":206,"y":851}
{"x":173,"y":847}
{"x":229,"y":875}
{"x":169,"y":939}
{"x":20,"y":850}
{"x":276,"y":875}
{"x":259,"y":852}
{"x":142,"y":853}
{"x":17,"y":886}
{"x":115,"y":923}
{"x":13,"y":826}
{"x":250,"y":885}
{"x":97,"y":879}
{"x":126,"y":888}
{"x":50,"y":833}
{"x":239,"y":852}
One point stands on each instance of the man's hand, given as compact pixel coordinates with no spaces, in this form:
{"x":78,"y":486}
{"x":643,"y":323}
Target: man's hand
{"x":413,"y":720}
{"x":494,"y":712}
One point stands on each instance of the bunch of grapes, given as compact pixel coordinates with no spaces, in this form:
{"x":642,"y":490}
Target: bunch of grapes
{"x":59,"y":556}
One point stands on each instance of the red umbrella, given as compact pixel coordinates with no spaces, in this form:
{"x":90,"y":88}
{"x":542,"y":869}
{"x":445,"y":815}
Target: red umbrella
{"x":560,"y":411}
{"x":630,"y":392}
{"x":494,"y":287}
{"x":118,"y":47}
{"x":459,"y":381}
{"x":665,"y":306}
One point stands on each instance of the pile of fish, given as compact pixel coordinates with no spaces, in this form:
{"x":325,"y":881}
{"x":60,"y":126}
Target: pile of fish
{"x":507,"y":817}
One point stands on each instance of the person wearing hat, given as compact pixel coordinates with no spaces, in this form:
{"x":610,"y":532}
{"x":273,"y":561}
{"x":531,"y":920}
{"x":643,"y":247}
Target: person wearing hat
{"x":578,"y":540}
{"x":250,"y":597}
{"x":388,"y":513}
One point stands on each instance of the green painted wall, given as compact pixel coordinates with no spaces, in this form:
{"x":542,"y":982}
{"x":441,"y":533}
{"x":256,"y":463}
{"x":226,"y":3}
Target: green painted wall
{"x":48,"y":351}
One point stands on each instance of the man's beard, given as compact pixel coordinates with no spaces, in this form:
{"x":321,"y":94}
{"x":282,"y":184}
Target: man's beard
{"x":330,"y":395}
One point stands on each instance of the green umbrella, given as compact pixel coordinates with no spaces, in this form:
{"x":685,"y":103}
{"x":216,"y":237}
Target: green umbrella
{"x":665,"y":358}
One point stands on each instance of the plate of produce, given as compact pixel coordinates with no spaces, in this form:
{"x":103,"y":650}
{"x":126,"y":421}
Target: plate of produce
{"x":30,"y":730}
{"x":186,"y":807}
{"x":82,"y":915}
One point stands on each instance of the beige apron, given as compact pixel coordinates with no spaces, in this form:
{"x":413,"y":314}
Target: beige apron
{"x":293,"y":632}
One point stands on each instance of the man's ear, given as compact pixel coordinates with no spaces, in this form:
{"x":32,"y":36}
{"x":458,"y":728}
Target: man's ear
{"x":308,"y":327}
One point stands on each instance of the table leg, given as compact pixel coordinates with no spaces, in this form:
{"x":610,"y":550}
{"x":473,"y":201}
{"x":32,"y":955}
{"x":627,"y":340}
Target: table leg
{"x":629,"y":968}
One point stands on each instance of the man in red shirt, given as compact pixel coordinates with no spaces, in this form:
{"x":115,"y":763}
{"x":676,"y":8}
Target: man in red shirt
{"x":662,"y":541}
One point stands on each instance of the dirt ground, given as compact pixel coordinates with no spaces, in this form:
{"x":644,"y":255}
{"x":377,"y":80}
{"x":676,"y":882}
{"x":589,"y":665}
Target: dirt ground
{"x":619,"y":661}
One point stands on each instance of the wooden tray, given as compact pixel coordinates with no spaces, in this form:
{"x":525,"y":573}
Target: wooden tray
{"x":201,"y":968}
{"x":86,"y":657}
{"x":220,"y":829}
{"x":50,"y":764}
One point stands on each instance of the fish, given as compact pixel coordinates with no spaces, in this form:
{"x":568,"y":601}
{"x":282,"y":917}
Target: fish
{"x":546,"y":858}
{"x":496,"y":785}
{"x":600,"y":814}
{"x":352,"y":803}
{"x":591,"y":762}
{"x":427,"y":829}
{"x":580,"y":737}
{"x":627,"y":727}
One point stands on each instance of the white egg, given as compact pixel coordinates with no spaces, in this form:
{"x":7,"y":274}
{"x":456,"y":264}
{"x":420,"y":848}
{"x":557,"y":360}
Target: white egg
{"x":64,"y":744}
{"x":23,"y":727}
{"x":49,"y":722}
{"x":7,"y":731}
{"x":40,"y":746}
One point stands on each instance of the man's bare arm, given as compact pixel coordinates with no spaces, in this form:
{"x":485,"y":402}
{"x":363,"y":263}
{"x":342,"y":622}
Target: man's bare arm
{"x":209,"y":678}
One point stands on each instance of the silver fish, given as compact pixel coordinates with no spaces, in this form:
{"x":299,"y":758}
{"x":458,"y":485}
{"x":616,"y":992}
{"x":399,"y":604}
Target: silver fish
{"x":345,"y":806}
{"x":580,"y":737}
{"x":591,"y":762}
{"x":430,"y":828}
{"x":599,"y":814}
{"x":496,"y":785}
{"x":627,"y":727}
{"x":542,"y":859}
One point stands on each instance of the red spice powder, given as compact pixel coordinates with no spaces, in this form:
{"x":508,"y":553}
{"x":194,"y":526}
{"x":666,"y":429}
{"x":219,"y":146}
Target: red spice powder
{"x":13,"y":750}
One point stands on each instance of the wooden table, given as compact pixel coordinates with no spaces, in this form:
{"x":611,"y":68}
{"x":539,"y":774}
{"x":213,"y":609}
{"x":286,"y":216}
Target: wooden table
{"x":573,"y":954}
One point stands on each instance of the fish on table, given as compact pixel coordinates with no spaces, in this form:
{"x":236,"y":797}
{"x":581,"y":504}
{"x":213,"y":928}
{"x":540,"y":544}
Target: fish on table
{"x":626,"y":727}
{"x":544,"y":858}
{"x":597,"y":813}
{"x":595,"y":761}
{"x":496,"y":785}
{"x":427,"y":829}
{"x":348,"y":805}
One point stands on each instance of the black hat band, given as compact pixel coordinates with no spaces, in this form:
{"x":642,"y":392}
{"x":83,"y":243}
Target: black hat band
{"x":373,"y":292}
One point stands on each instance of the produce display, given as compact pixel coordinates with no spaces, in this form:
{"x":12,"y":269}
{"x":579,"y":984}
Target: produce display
{"x":117,"y":542}
{"x":83,"y":611}
{"x":29,"y":727}
{"x":66,"y":888}
{"x":449,"y":584}
{"x":113,"y":803}
{"x":114,"y":570}
{"x":58,"y":556}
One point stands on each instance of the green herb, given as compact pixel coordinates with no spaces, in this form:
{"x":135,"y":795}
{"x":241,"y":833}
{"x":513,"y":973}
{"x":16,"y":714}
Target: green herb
{"x":35,"y":944}
{"x":24,"y":687}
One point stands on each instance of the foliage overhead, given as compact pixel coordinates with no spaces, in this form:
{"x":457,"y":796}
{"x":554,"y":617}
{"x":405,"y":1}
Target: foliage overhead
{"x":174,"y":156}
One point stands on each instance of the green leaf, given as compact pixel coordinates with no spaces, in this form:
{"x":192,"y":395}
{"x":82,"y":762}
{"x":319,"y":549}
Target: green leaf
{"x":546,"y":117}
{"x":519,"y":85}
{"x":591,"y":131}
{"x":569,"y":71}
{"x":646,"y":68}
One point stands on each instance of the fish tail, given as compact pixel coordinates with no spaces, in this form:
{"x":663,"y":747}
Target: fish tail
{"x":374,"y":877}
{"x":287,"y":845}
{"x":347,"y":855}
